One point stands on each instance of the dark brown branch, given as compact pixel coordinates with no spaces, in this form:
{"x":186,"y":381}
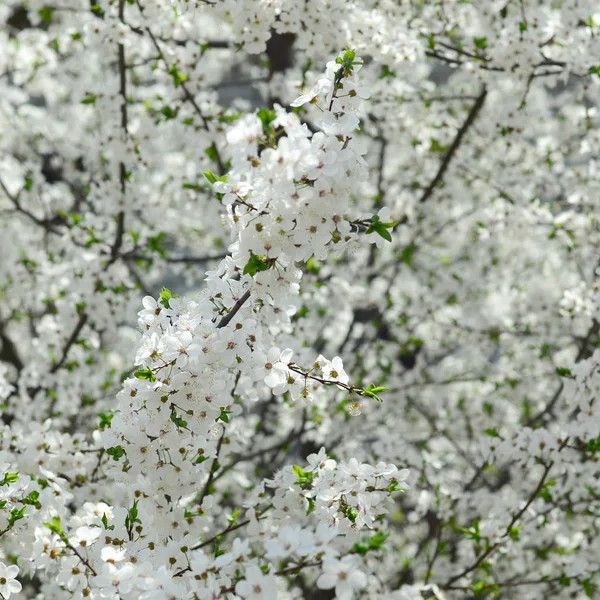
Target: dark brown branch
{"x":583,"y":354}
{"x":454,"y":146}
{"x":432,"y":423}
{"x":295,"y":434}
{"x":464,"y":52}
{"x":213,"y":469}
{"x":484,"y":555}
{"x":47,"y":224}
{"x":438,"y":548}
{"x":118,"y":241}
{"x":114,"y":251}
{"x":236,"y":307}
{"x":72,"y":339}
{"x":190,"y":98}
{"x":177,"y":259}
{"x":9,"y":352}
{"x":85,"y":561}
{"x":214,"y":538}
{"x":504,"y":584}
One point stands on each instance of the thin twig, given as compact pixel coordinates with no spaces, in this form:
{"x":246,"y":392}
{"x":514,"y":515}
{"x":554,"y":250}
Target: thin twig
{"x":213,"y":469}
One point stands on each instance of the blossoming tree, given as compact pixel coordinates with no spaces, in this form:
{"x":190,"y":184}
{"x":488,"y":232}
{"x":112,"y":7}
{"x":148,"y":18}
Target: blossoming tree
{"x":362,"y":242}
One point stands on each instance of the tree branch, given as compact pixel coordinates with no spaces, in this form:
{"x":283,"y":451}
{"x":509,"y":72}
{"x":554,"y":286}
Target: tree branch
{"x":236,"y":307}
{"x":506,"y":533}
{"x":454,"y":146}
{"x":114,"y":251}
{"x":190,"y":98}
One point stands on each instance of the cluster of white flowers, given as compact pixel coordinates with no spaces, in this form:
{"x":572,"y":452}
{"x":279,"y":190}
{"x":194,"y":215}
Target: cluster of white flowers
{"x":156,"y":548}
{"x":385,"y":279}
{"x":198,"y":365}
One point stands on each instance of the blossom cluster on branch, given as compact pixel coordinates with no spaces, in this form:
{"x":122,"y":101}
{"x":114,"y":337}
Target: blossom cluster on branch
{"x":362,"y":242}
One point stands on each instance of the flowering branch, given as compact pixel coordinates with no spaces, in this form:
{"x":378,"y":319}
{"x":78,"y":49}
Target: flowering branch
{"x":484,"y":555}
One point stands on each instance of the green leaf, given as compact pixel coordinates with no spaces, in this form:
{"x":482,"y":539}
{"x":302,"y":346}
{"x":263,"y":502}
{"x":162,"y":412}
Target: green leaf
{"x":257,"y":264}
{"x":212,"y":178}
{"x":156,"y":242}
{"x":46,"y":14}
{"x":384,"y":233}
{"x":385,"y":72}
{"x":168,"y":113}
{"x":373,"y":544}
{"x":589,"y":587}
{"x":349,"y":56}
{"x":179,"y":422}
{"x":116,"y":452}
{"x":105,"y":420}
{"x":16,"y":514}
{"x":165,"y":296}
{"x":435,"y":146}
{"x":394,"y":487}
{"x":380,"y":228}
{"x":593,"y":446}
{"x":480,"y":43}
{"x":105,"y":522}
{"x":224,"y":416}
{"x":9,"y":478}
{"x":145,"y":374}
{"x":377,"y":541}
{"x":231,"y":118}
{"x":298,"y":471}
{"x":406,"y":256}
{"x":313,"y":266}
{"x":480,"y":587}
{"x":132,"y":516}
{"x":178,"y":78}
{"x":54,"y":525}
{"x":33,"y":499}
{"x":304,"y":478}
{"x":302,"y":313}
{"x":377,"y":389}
{"x":266,"y":116}
{"x":90,"y":99}
{"x":361,"y":548}
{"x":545,"y":493}
{"x":564,"y":372}
{"x":97,"y":10}
{"x":522,"y":26}
{"x":212,"y":153}
{"x":373,"y":391}
{"x":191,"y":186}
